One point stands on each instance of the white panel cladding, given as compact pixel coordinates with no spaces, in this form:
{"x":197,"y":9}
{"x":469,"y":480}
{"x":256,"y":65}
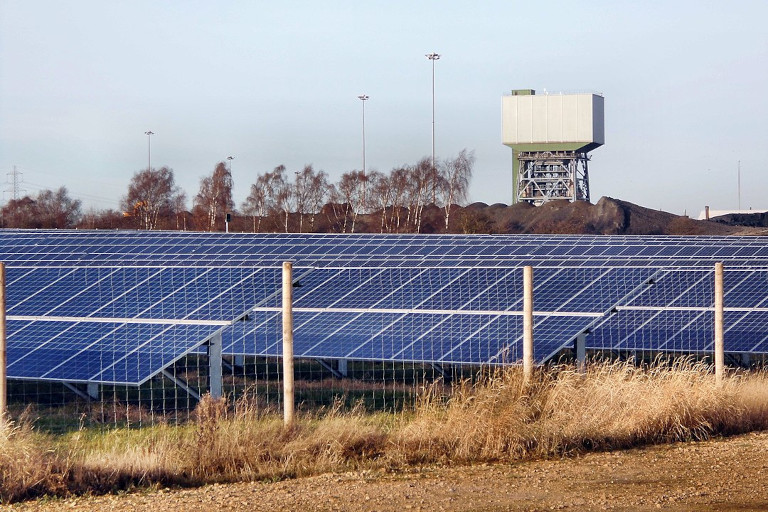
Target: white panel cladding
{"x":552,"y":118}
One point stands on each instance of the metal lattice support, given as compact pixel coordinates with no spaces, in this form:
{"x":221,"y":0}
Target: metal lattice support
{"x":548,"y":175}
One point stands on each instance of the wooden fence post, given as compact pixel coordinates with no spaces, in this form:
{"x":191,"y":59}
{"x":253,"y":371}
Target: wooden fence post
{"x":527,"y":323}
{"x":288,"y":390}
{"x":3,"y":353}
{"x":719,"y":345}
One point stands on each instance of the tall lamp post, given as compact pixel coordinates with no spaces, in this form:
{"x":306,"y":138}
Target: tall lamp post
{"x":433,"y":57}
{"x":228,"y":215}
{"x":363,"y":98}
{"x":149,"y":135}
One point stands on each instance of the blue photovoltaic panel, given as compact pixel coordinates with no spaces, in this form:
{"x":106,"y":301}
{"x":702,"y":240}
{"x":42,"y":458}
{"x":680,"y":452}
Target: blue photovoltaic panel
{"x":81,"y":351}
{"x":368,"y":296}
{"x":139,"y":363}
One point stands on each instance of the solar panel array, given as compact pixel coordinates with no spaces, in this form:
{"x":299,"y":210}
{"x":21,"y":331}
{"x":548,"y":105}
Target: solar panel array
{"x":118,"y":307}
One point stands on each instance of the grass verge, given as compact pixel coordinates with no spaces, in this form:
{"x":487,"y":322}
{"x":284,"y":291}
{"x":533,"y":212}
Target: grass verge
{"x":613,"y":405}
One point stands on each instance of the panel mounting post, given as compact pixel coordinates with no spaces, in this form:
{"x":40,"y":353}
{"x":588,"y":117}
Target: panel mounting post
{"x":215,"y":366}
{"x":93,"y":390}
{"x":343,"y":371}
{"x":581,"y":352}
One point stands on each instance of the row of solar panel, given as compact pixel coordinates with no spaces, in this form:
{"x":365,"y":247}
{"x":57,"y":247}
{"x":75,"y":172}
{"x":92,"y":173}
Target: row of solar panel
{"x":89,"y":349}
{"x":224,"y":294}
{"x":487,"y":338}
{"x":98,"y":352}
{"x":180,"y":248}
{"x":395,"y":313}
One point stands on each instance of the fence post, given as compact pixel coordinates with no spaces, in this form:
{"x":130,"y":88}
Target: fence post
{"x":527,"y":323}
{"x":288,"y":394}
{"x":3,"y":361}
{"x":719,"y":347}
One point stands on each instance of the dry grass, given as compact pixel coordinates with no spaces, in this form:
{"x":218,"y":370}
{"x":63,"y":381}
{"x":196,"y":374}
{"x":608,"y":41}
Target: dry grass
{"x":500,"y":419}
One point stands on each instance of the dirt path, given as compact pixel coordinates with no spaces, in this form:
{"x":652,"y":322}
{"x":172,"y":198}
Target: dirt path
{"x":727,"y":474}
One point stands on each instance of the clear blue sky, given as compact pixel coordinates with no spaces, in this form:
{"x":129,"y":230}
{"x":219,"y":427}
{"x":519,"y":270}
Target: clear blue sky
{"x":685,"y":85}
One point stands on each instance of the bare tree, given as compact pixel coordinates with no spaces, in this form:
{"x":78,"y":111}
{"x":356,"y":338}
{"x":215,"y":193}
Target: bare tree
{"x":256,"y":203}
{"x":49,"y":209}
{"x":56,"y":209}
{"x":380,"y":196}
{"x":301,"y":192}
{"x":215,"y":196}
{"x":352,"y":192}
{"x":420,"y":181}
{"x":317,"y":196}
{"x":152,"y":195}
{"x":400,"y":179}
{"x":455,"y":176}
{"x":279,"y":193}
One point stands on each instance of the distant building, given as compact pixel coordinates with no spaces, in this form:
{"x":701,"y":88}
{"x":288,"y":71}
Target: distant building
{"x":707,"y":213}
{"x":550,"y":136}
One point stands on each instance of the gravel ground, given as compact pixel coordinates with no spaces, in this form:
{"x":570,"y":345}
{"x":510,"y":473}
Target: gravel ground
{"x":729,"y":474}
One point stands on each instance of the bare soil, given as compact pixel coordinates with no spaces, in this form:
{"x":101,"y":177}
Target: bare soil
{"x":720,"y":474}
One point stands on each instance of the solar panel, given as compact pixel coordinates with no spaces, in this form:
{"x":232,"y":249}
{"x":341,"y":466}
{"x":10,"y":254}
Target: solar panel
{"x":93,"y":306}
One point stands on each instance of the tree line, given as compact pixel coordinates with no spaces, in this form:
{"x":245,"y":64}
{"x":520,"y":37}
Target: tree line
{"x":279,"y":201}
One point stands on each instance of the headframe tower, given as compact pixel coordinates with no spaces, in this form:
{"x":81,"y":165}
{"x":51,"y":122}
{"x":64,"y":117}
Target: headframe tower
{"x":551,"y":136}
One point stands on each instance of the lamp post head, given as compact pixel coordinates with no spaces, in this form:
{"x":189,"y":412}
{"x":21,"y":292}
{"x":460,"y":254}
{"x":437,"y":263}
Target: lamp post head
{"x":363,"y":97}
{"x":149,"y":133}
{"x":433,"y":56}
{"x":230,"y":158}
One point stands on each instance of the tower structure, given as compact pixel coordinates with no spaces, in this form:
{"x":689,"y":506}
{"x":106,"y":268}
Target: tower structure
{"x":551,"y":136}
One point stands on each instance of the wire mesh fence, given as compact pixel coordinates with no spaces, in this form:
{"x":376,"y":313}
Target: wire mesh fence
{"x":364,"y":336}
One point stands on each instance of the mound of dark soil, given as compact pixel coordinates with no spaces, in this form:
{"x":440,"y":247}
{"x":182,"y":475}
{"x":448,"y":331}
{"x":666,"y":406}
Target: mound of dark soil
{"x":608,"y":217}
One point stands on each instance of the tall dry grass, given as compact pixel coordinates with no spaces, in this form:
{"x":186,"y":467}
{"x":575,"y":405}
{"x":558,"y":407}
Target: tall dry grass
{"x":613,"y":405}
{"x":29,"y":467}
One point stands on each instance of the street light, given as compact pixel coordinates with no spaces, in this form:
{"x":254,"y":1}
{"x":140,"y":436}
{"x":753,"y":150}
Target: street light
{"x":363,"y":98}
{"x":228,"y":215}
{"x":433,"y":57}
{"x":149,"y":135}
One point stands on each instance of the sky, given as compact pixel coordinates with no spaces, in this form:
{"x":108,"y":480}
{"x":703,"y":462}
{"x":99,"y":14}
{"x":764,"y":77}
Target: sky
{"x":685,"y":86}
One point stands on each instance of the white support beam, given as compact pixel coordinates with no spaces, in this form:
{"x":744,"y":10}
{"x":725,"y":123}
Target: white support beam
{"x":215,"y":373}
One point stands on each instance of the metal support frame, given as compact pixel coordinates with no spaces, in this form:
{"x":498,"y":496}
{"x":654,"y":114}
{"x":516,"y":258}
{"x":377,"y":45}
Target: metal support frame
{"x":581,"y":352}
{"x":439,"y":369}
{"x":181,"y":383}
{"x":82,"y":394}
{"x":215,"y":372}
{"x":548,"y":175}
{"x":336,"y":373}
{"x":342,"y":367}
